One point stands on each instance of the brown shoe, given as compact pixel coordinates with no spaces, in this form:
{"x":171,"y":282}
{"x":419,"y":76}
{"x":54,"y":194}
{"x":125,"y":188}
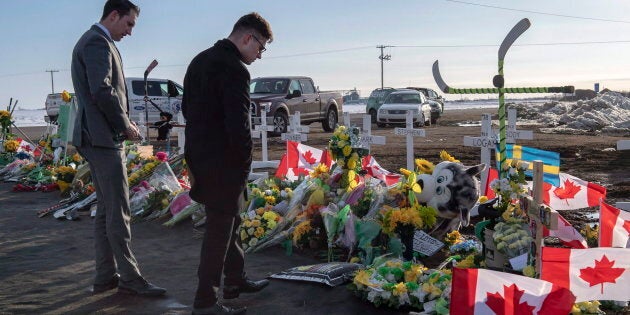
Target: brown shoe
{"x":248,"y":286}
{"x":109,"y":285}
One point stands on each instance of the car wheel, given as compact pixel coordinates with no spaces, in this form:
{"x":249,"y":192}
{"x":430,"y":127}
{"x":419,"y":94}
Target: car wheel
{"x":330,"y":123}
{"x":433,"y":121}
{"x":280,"y":123}
{"x":373,"y":114}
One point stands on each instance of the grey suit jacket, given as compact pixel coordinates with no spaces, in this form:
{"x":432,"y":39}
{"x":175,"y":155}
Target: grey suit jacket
{"x":99,"y":85}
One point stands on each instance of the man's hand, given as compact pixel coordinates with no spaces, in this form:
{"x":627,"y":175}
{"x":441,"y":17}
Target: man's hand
{"x":132,"y":132}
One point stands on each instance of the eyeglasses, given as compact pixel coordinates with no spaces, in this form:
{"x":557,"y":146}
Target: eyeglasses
{"x":262,"y":47}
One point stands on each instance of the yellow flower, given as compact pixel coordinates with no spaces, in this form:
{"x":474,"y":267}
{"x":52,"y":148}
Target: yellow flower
{"x":468,"y":262}
{"x":270,"y":216}
{"x":399,"y":289}
{"x":341,"y":144}
{"x":352,"y":164}
{"x":270,"y":199}
{"x":363,"y":278}
{"x":259,"y":232}
{"x":412,"y":274}
{"x":77,"y":157}
{"x":529,"y":271}
{"x":405,"y":172}
{"x":344,"y":136}
{"x":11,"y":145}
{"x":393,"y":264}
{"x":65,"y":96}
{"x":243,"y":235}
{"x":4,"y":115}
{"x":424,"y":166}
{"x":255,"y":223}
{"x":347,"y":150}
{"x":301,"y":230}
{"x":447,"y":157}
{"x":483,"y":199}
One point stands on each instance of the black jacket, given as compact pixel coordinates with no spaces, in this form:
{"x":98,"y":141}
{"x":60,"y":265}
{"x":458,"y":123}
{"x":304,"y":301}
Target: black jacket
{"x":218,"y":147}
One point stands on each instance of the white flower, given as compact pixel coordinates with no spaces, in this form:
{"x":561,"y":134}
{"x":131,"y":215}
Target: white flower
{"x":419,"y":294}
{"x":268,"y":192}
{"x":250,"y":231}
{"x":253,"y":241}
{"x":403,"y":299}
{"x":372,"y":295}
{"x":512,"y":171}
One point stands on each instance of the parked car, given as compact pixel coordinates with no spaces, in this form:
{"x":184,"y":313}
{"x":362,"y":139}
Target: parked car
{"x":286,"y":95}
{"x":376,"y":100}
{"x":431,"y":95}
{"x":165,"y":94}
{"x":394,"y":109}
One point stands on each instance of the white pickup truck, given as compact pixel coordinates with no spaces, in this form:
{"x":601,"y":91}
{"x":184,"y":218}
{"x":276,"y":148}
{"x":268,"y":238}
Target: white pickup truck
{"x":164,"y":93}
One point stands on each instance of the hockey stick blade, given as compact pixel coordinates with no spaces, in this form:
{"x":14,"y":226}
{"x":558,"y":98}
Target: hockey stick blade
{"x":438,"y":77}
{"x":516,"y":31}
{"x":153,"y":64}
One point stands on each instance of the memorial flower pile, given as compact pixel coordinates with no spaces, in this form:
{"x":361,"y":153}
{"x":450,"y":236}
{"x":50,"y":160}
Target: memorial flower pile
{"x":257,"y":224}
{"x":395,"y":284}
{"x":345,"y":150}
{"x":510,"y":190}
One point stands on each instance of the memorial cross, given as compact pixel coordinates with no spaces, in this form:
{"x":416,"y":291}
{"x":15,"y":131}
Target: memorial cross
{"x":296,"y":131}
{"x":409,"y":132}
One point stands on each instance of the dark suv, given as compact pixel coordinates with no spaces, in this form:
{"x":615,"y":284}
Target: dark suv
{"x":376,"y":100}
{"x":431,"y":95}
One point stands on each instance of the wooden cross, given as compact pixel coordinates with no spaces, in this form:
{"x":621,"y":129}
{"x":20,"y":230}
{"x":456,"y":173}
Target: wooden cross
{"x":409,"y":132}
{"x":346,"y":119}
{"x":623,"y":145}
{"x":260,"y":131}
{"x":512,"y":134}
{"x":487,"y":142}
{"x":539,"y":215}
{"x":366,"y":139}
{"x":296,"y":131}
{"x":180,"y":129}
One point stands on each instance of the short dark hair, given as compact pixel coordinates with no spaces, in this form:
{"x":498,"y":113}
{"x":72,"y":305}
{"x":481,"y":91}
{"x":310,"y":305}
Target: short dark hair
{"x":253,"y":21}
{"x":122,"y":6}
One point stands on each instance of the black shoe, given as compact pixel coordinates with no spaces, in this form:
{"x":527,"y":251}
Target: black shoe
{"x":218,"y":309}
{"x":109,"y":285}
{"x":248,"y":286}
{"x":140,"y":286}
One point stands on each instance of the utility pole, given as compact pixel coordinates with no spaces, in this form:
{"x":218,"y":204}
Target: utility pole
{"x":52,"y":80}
{"x":383,"y":57}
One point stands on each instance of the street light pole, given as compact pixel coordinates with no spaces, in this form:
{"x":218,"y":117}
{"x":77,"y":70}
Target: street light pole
{"x":383,"y":57}
{"x":52,"y":80}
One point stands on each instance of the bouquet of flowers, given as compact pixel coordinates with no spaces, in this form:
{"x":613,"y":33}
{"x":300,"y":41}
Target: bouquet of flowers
{"x":345,"y":150}
{"x":11,"y":146}
{"x":5,"y":123}
{"x":394,"y":283}
{"x":510,"y":190}
{"x":257,"y":224}
{"x":64,"y":176}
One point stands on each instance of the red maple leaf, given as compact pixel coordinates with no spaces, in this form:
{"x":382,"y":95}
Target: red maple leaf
{"x":308,"y":157}
{"x":568,"y":191}
{"x":509,"y":303}
{"x":602,"y":272}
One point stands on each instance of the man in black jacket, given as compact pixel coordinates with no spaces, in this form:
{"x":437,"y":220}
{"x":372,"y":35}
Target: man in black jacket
{"x":218,"y":152}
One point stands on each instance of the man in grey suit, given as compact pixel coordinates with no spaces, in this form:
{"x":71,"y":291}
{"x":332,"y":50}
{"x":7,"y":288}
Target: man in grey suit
{"x":101,"y":126}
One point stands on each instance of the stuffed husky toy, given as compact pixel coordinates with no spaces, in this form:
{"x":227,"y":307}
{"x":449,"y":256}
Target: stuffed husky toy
{"x":452,"y":190}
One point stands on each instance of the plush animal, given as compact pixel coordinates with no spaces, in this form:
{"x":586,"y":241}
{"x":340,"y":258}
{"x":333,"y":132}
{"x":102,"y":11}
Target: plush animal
{"x":452,"y":190}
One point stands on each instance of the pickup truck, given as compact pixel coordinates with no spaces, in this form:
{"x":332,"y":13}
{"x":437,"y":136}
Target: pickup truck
{"x":286,"y":95}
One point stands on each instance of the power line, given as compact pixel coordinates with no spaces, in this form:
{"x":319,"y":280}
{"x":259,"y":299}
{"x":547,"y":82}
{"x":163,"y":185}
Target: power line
{"x":495,"y":45}
{"x":538,"y":12}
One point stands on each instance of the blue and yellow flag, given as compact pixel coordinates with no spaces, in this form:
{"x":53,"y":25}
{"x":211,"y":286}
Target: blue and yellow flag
{"x":551,"y":161}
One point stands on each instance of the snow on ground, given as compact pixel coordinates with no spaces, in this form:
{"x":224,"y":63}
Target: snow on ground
{"x":608,"y":113}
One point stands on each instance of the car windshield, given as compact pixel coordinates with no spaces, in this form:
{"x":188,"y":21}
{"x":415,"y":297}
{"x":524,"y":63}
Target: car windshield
{"x":403,"y":98}
{"x":268,"y":86}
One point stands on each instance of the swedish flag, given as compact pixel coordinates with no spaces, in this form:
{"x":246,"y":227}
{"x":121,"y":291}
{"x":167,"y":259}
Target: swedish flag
{"x":551,"y":161}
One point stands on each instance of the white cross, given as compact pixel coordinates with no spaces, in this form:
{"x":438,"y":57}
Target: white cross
{"x":296,"y":131}
{"x":181,"y":132}
{"x":511,"y":133}
{"x":623,"y":145}
{"x":487,"y":142}
{"x":260,"y":131}
{"x":142,"y":127}
{"x":366,"y":138}
{"x":410,"y":133}
{"x":346,"y":119}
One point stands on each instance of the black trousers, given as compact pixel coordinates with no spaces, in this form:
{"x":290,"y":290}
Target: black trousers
{"x":221,"y":253}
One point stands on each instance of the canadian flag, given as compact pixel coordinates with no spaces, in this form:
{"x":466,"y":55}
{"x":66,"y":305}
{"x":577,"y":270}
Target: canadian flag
{"x":482,"y":291}
{"x":375,"y":170}
{"x":591,"y":274}
{"x":492,"y":175}
{"x":567,"y":234}
{"x":300,"y":159}
{"x":614,"y":227}
{"x":573,"y":193}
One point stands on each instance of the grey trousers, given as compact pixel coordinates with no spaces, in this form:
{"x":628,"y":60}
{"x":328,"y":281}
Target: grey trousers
{"x":112,"y":234}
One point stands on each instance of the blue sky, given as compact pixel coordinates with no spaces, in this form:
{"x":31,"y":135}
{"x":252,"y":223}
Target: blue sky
{"x":334,"y":42}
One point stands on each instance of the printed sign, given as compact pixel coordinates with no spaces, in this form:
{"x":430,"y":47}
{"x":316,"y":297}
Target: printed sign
{"x":425,"y":244}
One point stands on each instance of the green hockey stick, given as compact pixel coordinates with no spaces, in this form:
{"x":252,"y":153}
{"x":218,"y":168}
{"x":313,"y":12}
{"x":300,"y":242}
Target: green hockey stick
{"x":498,"y":82}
